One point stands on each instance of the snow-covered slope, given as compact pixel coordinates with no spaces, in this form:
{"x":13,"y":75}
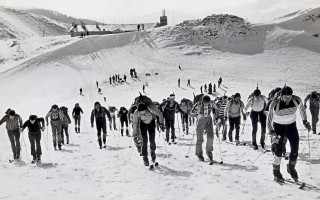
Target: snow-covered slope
{"x":83,"y":171}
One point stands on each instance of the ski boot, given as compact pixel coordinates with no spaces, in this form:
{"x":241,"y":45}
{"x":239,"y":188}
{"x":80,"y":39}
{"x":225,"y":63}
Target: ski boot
{"x":76,"y":129}
{"x":38,"y":159}
{"x":277,"y":174}
{"x":145,"y":160}
{"x":201,"y":158}
{"x":34,"y":160}
{"x":237,"y":142}
{"x":263,"y":145}
{"x":59,"y":146}
{"x":292,"y":171}
{"x":255,"y":146}
{"x":104,"y":145}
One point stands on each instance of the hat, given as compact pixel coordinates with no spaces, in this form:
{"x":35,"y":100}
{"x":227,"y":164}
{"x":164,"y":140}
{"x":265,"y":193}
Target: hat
{"x":257,"y":92}
{"x":286,"y":90}
{"x":236,"y":95}
{"x":32,"y":117}
{"x":8,"y":110}
{"x":12,"y":113}
{"x":142,"y":107}
{"x":172,"y":95}
{"x":206,"y":98}
{"x":55,"y":106}
{"x":97,"y":103}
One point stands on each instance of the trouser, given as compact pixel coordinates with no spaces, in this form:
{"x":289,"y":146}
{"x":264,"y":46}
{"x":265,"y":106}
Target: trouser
{"x":204,"y":124}
{"x":234,"y":122}
{"x":289,"y":131}
{"x":191,"y":120}
{"x":56,"y":128}
{"x":255,"y":116}
{"x":34,"y":138}
{"x":113,"y":119}
{"x":151,"y":129}
{"x":101,"y":124}
{"x":64,"y":128}
{"x":14,"y":137}
{"x":170,"y":125}
{"x":315,"y":117}
{"x":122,"y":122}
{"x":185,"y":124}
{"x":77,"y":119}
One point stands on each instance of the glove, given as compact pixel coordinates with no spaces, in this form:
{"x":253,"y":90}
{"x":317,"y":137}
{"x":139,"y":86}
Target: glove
{"x":43,"y":128}
{"x":162,"y":127}
{"x":244,"y":117}
{"x":307,"y":125}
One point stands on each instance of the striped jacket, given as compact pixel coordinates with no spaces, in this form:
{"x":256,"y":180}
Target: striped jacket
{"x":281,"y":113}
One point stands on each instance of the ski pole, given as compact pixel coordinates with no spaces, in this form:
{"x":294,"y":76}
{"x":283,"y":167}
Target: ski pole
{"x":178,"y":126}
{"x":47,"y":147}
{"x":165,"y":146}
{"x":69,"y":132}
{"x":309,"y":152}
{"x":252,"y":163}
{"x":221,"y":162}
{"x":25,"y":147}
{"x":194,"y":132}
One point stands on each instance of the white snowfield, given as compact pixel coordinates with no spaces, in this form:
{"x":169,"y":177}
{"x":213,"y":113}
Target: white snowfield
{"x":53,"y":70}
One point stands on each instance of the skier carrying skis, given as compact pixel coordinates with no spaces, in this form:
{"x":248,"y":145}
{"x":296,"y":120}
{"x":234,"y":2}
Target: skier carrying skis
{"x":112,"y":111}
{"x":202,"y":110}
{"x":233,"y":111}
{"x":65,"y":124}
{"x":143,"y":122}
{"x":314,"y":99}
{"x":35,"y":129}
{"x":123,"y":115}
{"x":56,"y":117}
{"x":13,"y":122}
{"x":99,"y":113}
{"x":258,"y":104}
{"x":77,"y":110}
{"x":282,"y":123}
{"x":169,"y":108}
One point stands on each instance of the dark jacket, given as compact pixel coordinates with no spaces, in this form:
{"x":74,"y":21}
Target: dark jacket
{"x":12,"y":124}
{"x":34,"y":127}
{"x":123,"y":113}
{"x":76,"y":111}
{"x":170,"y":110}
{"x":100,"y":115}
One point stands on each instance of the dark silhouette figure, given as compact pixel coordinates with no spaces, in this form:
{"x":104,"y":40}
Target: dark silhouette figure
{"x":188,"y":83}
{"x":179,"y":82}
{"x":143,"y":87}
{"x":80,"y":91}
{"x":99,"y":90}
{"x":201,"y":89}
{"x":219,"y":82}
{"x":138,"y":27}
{"x":105,"y":99}
{"x":214,"y":87}
{"x":125,"y":78}
{"x":210,"y":88}
{"x":205,"y":87}
{"x":110,"y":80}
{"x":97,"y":84}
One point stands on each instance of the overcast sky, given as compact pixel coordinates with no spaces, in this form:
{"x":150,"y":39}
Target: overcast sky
{"x":126,"y":11}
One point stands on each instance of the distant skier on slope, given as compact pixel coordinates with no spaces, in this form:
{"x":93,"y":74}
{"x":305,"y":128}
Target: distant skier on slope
{"x":13,"y":122}
{"x":35,"y":126}
{"x":76,"y":114}
{"x":282,"y":123}
{"x":99,"y":113}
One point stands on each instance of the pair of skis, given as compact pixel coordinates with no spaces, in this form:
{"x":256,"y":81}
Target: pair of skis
{"x":302,"y":185}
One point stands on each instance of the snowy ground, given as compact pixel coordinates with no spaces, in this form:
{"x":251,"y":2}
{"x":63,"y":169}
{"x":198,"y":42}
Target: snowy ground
{"x":83,"y":171}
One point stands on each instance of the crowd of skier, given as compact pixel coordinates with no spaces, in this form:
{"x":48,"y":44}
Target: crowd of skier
{"x":276,"y":115}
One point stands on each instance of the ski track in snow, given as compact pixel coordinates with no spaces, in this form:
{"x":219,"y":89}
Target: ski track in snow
{"x":83,"y":171}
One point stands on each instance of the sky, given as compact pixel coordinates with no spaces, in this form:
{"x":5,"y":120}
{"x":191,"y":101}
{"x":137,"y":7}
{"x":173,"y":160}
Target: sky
{"x":131,"y":11}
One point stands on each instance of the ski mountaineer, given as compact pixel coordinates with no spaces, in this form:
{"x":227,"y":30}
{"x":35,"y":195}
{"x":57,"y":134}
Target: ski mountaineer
{"x":314,"y":99}
{"x":123,"y":115}
{"x":99,"y":113}
{"x":76,"y":114}
{"x":13,"y":123}
{"x":185,"y":107}
{"x":56,"y":117}
{"x":220,"y":119}
{"x":258,"y":104}
{"x":112,"y":111}
{"x":35,"y":126}
{"x":144,"y":124}
{"x":65,"y":124}
{"x":282,"y":123}
{"x":169,"y":108}
{"x":142,"y":99}
{"x":202,"y":110}
{"x":233,"y":111}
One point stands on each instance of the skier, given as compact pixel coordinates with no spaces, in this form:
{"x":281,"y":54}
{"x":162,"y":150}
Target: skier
{"x":143,"y":122}
{"x":56,"y":117}
{"x":202,"y":111}
{"x":99,"y":91}
{"x":135,"y":74}
{"x":138,"y":27}
{"x":123,"y":115}
{"x":214,"y":88}
{"x":184,"y":105}
{"x":142,"y":25}
{"x":35,"y":129}
{"x":125,"y":78}
{"x":13,"y":122}
{"x":258,"y":104}
{"x":97,"y":84}
{"x":314,"y":99}
{"x":112,"y":111}
{"x":188,"y":84}
{"x":233,"y":111}
{"x":205,"y":87}
{"x":282,"y":123}
{"x":81,"y":91}
{"x":110,"y":80}
{"x":131,"y":73}
{"x":180,"y":67}
{"x":99,"y":113}
{"x":179,"y":82}
{"x":210,"y":88}
{"x":169,"y":108}
{"x":77,"y":110}
{"x":219,"y":82}
{"x":65,"y":124}
{"x":201,"y":89}
{"x":143,"y":87}
{"x":113,"y":79}
{"x":219,"y":117}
